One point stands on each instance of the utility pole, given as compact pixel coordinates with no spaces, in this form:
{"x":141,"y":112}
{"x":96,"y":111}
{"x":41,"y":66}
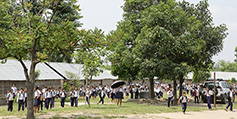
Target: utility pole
{"x":215,"y":89}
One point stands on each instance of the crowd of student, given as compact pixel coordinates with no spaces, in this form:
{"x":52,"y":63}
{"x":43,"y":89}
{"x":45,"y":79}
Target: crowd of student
{"x":45,"y":96}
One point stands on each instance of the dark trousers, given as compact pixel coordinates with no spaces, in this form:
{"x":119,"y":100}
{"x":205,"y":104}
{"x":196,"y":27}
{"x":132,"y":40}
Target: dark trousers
{"x":62,"y":101}
{"x":209,"y":102}
{"x":170,"y":101}
{"x":187,"y":91}
{"x":131,"y":95}
{"x":21,"y":105}
{"x":199,"y":96}
{"x":47,"y":103}
{"x":101,"y":100}
{"x":41,"y":104}
{"x":10,"y":106}
{"x":161,"y":94}
{"x":52,"y":101}
{"x":108,"y":94}
{"x":196,"y":99}
{"x":87,"y":100}
{"x":26,"y":102}
{"x":230,"y":104}
{"x":76,"y":101}
{"x":72,"y":101}
{"x":136,"y":95}
{"x":184,"y":106}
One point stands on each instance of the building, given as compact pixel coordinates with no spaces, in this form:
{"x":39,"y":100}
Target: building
{"x":12,"y":73}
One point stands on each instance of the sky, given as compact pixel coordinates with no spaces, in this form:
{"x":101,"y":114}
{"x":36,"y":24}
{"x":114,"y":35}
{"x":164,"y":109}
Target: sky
{"x":105,"y":14}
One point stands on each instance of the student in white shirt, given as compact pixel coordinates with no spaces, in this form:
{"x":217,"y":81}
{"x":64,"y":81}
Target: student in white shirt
{"x":63,"y":95}
{"x":76,"y":96}
{"x":72,"y":97}
{"x":10,"y":99}
{"x":37,"y":95}
{"x":14,"y":89}
{"x":208,"y":94}
{"x":53,"y":96}
{"x":25,"y":91}
{"x":170,"y":96}
{"x":183,"y":99}
{"x":230,"y":100}
{"x":21,"y":100}
{"x":87,"y":96}
{"x":48,"y":97}
{"x":102,"y":96}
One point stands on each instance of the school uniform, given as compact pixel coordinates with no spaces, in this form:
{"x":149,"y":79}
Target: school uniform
{"x":184,"y":101}
{"x":230,"y":104}
{"x":170,"y":96}
{"x":72,"y":98}
{"x":57,"y":93}
{"x":87,"y":97}
{"x":102,"y":96}
{"x":136,"y":93}
{"x":76,"y":97}
{"x":131,"y":92}
{"x":48,"y":98}
{"x":113,"y":94}
{"x":63,"y":97}
{"x":14,"y":92}
{"x":25,"y":99}
{"x":196,"y":93}
{"x":21,"y":100}
{"x":42,"y":97}
{"x":10,"y":97}
{"x":53,"y":97}
{"x":209,"y":99}
{"x":108,"y":92}
{"x":120,"y":93}
{"x":36,"y":98}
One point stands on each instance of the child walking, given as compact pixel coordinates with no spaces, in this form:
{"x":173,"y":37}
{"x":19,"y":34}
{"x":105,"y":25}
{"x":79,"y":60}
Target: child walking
{"x":183,"y":99}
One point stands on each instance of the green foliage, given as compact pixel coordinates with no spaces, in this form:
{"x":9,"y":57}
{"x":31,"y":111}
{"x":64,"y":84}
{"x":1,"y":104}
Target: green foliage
{"x":225,"y":66}
{"x":232,"y":81}
{"x":92,"y":57}
{"x":66,"y":86}
{"x":200,"y":75}
{"x":72,"y":79}
{"x":37,"y":74}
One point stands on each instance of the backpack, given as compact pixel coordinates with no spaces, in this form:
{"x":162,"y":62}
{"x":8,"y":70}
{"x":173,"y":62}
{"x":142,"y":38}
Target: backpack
{"x":228,"y":96}
{"x":194,"y":93}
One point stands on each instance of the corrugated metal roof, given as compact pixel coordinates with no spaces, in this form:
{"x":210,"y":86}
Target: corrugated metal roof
{"x":12,"y":70}
{"x":219,"y":75}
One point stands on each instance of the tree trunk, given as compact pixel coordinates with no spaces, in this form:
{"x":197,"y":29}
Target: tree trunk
{"x":30,"y":81}
{"x":181,"y":80}
{"x":175,"y":93}
{"x":30,"y":92}
{"x":151,"y":88}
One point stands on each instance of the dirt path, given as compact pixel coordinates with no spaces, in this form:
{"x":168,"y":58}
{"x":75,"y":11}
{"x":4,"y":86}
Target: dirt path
{"x":217,"y":114}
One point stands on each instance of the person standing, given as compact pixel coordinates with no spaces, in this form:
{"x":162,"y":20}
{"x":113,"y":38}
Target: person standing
{"x":120,"y":95}
{"x":195,"y":94}
{"x":208,"y":94}
{"x":14,"y":90}
{"x":53,"y":96}
{"x":170,"y":96}
{"x":230,"y":100}
{"x":37,"y":99}
{"x":131,"y":91}
{"x":72,"y":97}
{"x":184,"y":100}
{"x":87,"y":96}
{"x":10,"y":99}
{"x":76,"y":96}
{"x":25,"y":97}
{"x":21,"y":100}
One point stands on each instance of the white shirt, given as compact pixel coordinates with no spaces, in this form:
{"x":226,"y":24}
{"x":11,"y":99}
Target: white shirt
{"x":14,"y":89}
{"x":102,"y":93}
{"x":231,"y":94}
{"x":20,"y":96}
{"x":210,"y":92}
{"x":63,"y":94}
{"x":10,"y":96}
{"x":87,"y":93}
{"x":53,"y":93}
{"x":26,"y":94}
{"x":48,"y":94}
{"x":37,"y":93}
{"x":76,"y":93}
{"x":184,"y":99}
{"x":71,"y":94}
{"x":170,"y":93}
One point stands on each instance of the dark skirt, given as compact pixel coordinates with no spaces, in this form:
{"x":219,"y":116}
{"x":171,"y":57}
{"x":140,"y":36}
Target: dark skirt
{"x":119,"y":95}
{"x":36,"y":102}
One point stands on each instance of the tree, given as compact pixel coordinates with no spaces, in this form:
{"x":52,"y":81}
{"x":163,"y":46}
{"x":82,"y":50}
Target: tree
{"x":232,"y":81}
{"x":225,"y":66}
{"x":92,"y":57}
{"x":27,"y":32}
